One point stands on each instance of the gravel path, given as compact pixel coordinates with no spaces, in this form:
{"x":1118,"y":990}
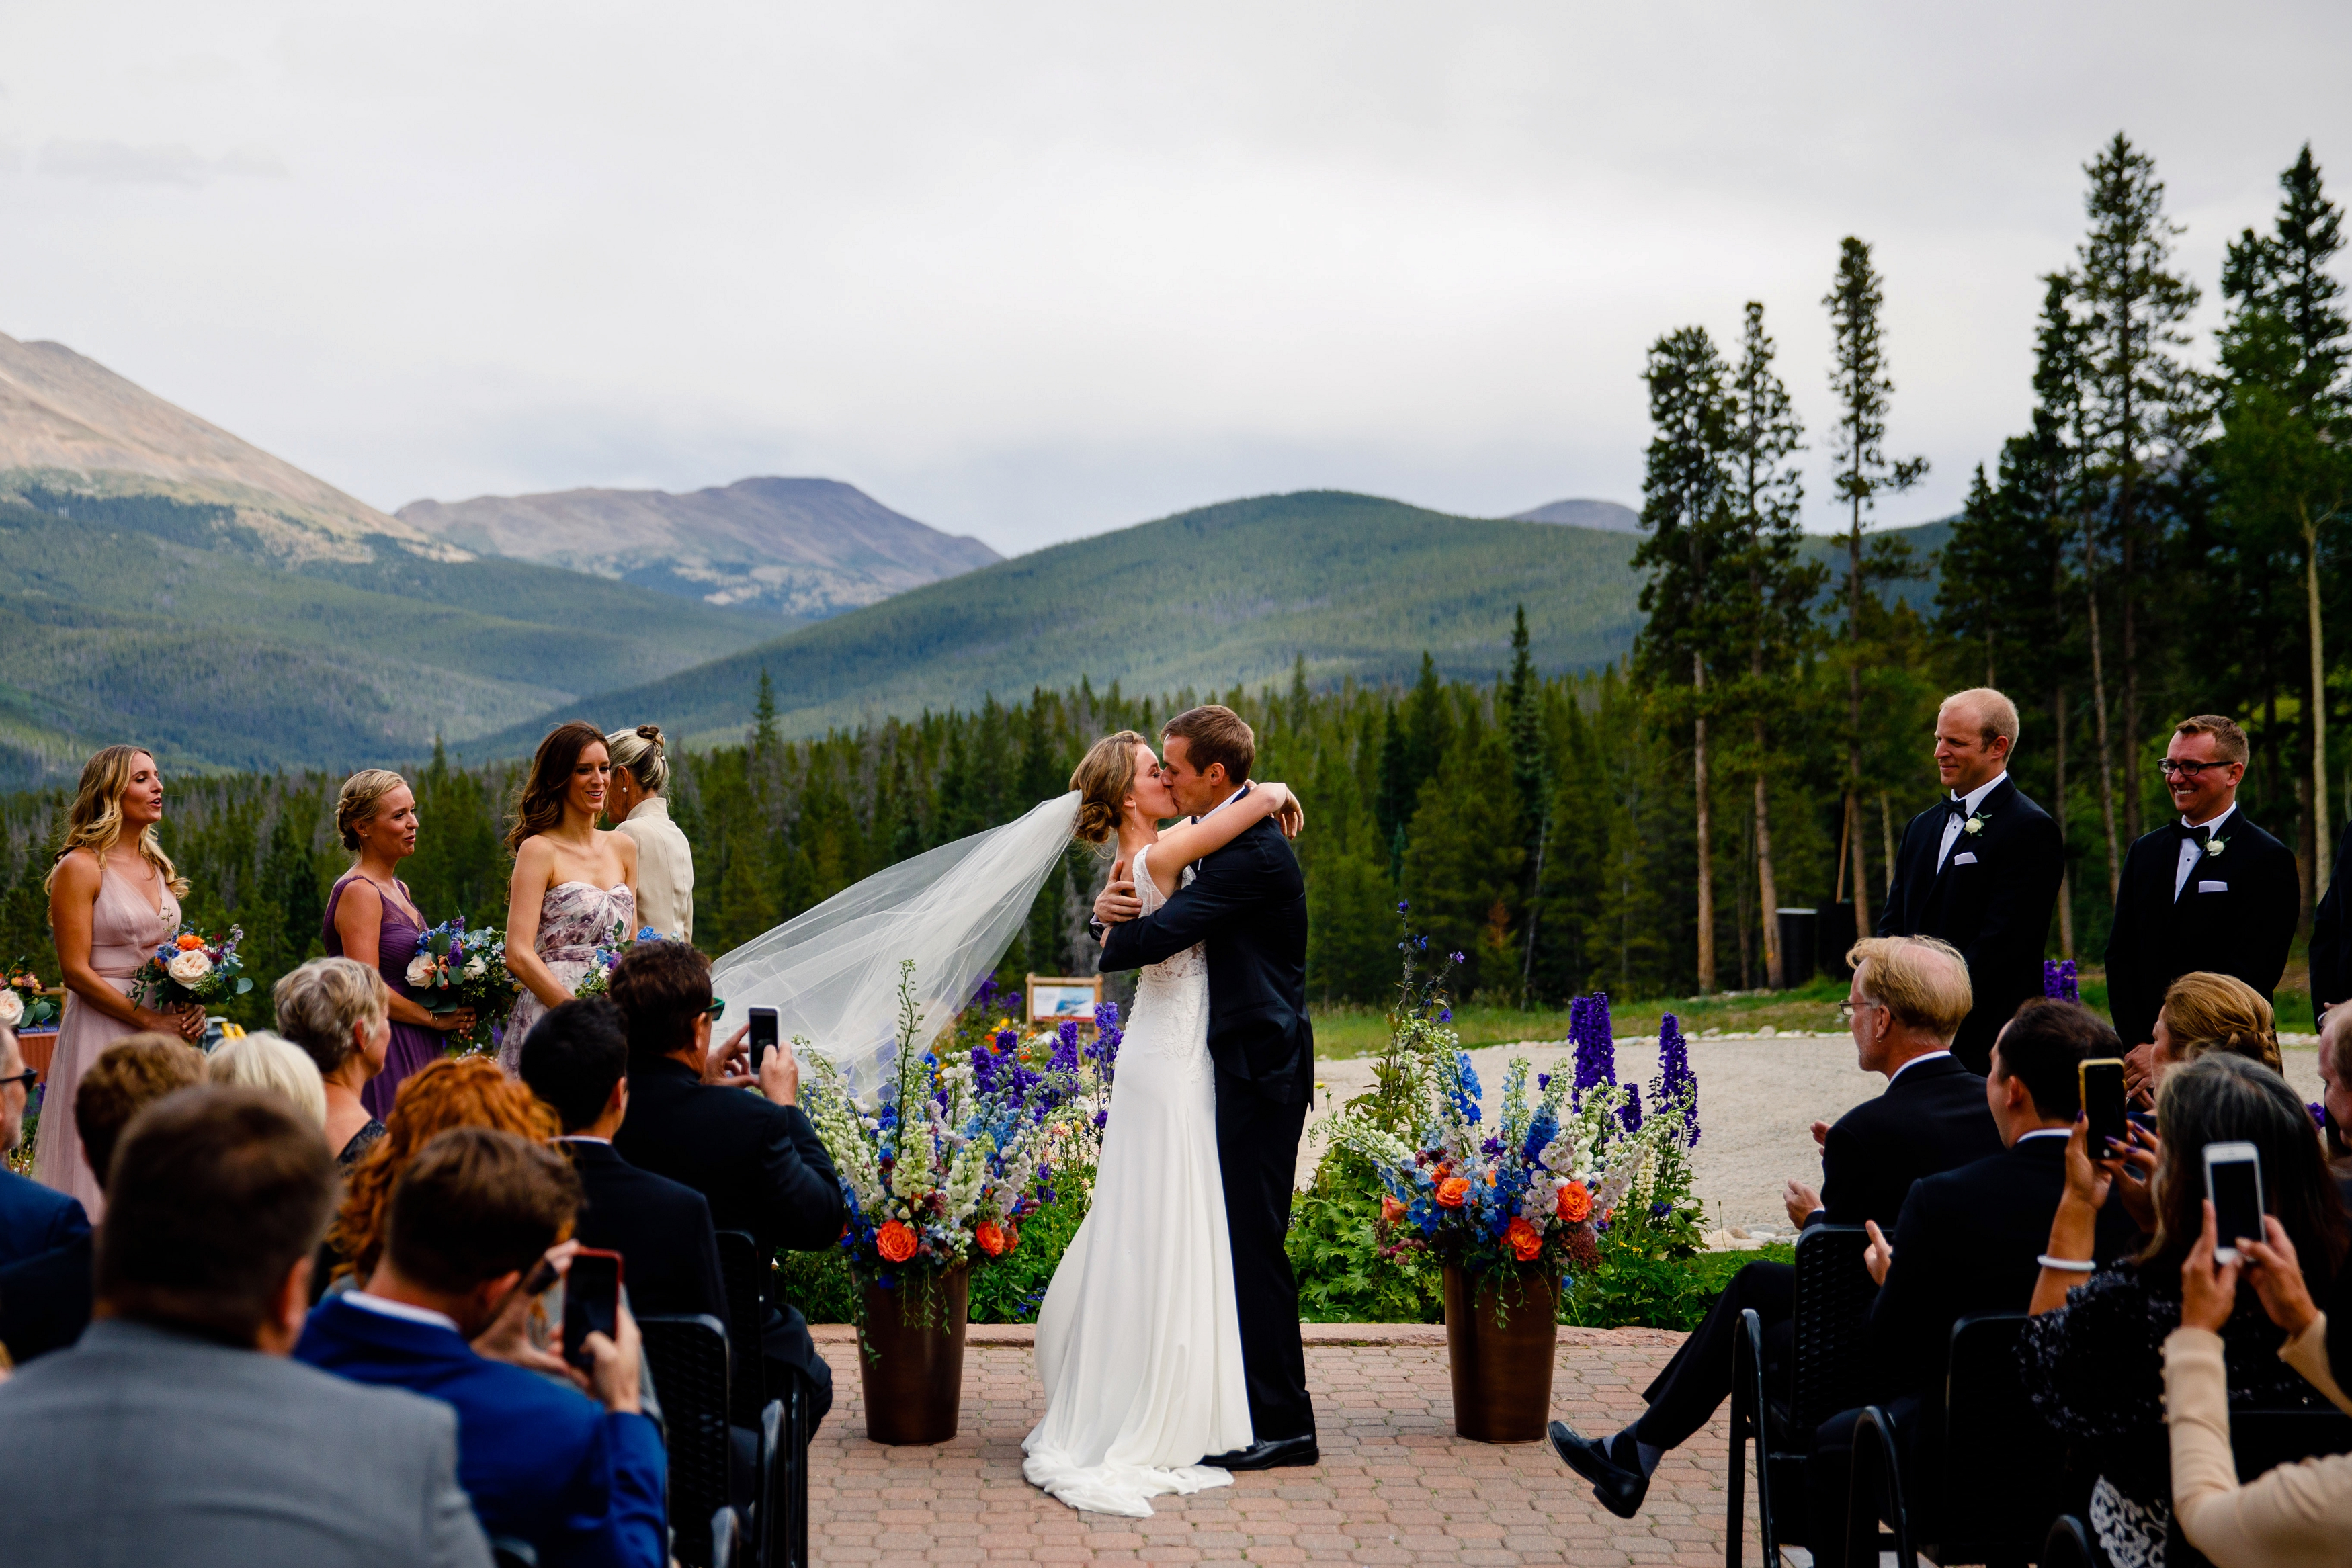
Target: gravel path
{"x":1758,"y":1100}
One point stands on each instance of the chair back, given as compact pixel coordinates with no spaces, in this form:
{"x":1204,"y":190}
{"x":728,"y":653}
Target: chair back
{"x":750,"y":1282}
{"x":1833,"y":1292}
{"x":688,"y":1356}
{"x":769,"y":1526}
{"x":727,"y":1541}
{"x":1990,"y":1472}
{"x":2264,"y":1439}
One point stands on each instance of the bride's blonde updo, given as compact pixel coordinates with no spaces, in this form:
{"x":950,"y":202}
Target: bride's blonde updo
{"x":1103,"y":778}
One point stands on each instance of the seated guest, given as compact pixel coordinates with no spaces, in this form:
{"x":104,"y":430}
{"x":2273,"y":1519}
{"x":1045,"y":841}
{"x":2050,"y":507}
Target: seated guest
{"x":2204,"y":1012}
{"x":2335,"y":1092}
{"x":577,"y":1480}
{"x":45,"y":1299}
{"x":34,"y":1218}
{"x":265,"y":1060}
{"x":1909,"y":994}
{"x":176,"y":1432}
{"x":339,"y":1010}
{"x":2294,"y":1514}
{"x":456,"y":1092}
{"x":2092,"y":1350}
{"x":577,"y":1060}
{"x":754,"y":1157}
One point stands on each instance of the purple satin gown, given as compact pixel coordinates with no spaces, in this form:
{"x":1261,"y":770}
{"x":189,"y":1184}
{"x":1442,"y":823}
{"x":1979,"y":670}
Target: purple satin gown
{"x":396,"y":944}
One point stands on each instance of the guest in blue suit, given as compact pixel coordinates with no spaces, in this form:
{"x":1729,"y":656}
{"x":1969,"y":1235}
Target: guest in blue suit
{"x":577,"y":1480}
{"x":34,"y":1218}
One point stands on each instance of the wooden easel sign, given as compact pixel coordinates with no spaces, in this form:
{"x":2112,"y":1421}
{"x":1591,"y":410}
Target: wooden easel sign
{"x":1053,"y":998}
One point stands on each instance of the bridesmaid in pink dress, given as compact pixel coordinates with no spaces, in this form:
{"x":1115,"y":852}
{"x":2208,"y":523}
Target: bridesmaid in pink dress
{"x":575,"y":884}
{"x":114,"y":897}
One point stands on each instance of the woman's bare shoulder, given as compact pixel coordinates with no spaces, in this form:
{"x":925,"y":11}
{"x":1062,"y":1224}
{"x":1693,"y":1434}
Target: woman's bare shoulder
{"x":81,"y":870}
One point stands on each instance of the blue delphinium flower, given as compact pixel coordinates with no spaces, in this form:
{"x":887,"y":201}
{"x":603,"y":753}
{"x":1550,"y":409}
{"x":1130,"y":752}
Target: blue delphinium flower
{"x":1596,"y":1045}
{"x":1630,"y":1113}
{"x":1467,"y":1091}
{"x":1676,"y":1078}
{"x":1540,"y":1133}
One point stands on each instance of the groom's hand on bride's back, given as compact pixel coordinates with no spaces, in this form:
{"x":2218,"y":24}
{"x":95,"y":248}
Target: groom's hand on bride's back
{"x":1117,"y":903}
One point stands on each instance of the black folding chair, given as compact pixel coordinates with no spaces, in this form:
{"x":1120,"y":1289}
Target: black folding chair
{"x":508,"y":1552}
{"x":1874,"y":1495}
{"x":782,"y":1518}
{"x":688,"y":1356}
{"x":2068,"y":1545}
{"x":750,"y":1279}
{"x":1831,"y":1300}
{"x":727,"y":1541}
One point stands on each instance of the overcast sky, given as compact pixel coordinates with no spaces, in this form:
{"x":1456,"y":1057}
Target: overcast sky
{"x":1031,"y":271}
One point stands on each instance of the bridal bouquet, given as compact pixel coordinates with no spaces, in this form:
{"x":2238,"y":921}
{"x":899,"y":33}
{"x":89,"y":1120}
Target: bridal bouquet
{"x":950,"y":1153}
{"x":193,"y":970}
{"x":458,"y":968}
{"x":23,"y":1004}
{"x":598,"y":980}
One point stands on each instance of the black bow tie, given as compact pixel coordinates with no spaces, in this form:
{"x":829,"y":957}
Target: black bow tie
{"x":1959,"y":809}
{"x":2203,"y":835}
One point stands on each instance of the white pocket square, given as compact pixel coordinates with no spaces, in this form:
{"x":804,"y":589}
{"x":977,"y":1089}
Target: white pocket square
{"x":1965,"y":858}
{"x":2212,"y":887}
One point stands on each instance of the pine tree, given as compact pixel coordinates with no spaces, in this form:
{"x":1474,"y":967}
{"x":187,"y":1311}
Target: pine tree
{"x":764,"y":717}
{"x":1523,"y":704}
{"x":1858,"y":376}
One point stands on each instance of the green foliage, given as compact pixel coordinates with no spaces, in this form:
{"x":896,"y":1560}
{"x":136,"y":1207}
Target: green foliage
{"x":1346,"y":1275}
{"x":1634,"y":1290}
{"x":1010,"y":1289}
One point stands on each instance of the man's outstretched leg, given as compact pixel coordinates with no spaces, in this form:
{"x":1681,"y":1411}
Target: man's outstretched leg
{"x":1685,"y":1396}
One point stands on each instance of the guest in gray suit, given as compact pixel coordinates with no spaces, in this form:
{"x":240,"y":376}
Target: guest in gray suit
{"x":177,"y":1434}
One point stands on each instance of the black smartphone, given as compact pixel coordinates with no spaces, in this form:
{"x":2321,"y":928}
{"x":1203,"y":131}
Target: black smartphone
{"x":591,"y":1302}
{"x":763,"y":1036}
{"x":2102,"y":1080}
{"x":2233,"y":1180}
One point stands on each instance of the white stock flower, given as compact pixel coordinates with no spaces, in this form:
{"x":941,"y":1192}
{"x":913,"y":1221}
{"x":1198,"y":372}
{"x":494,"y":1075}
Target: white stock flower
{"x":12,"y":1007}
{"x":420,"y":969}
{"x":476,"y":967}
{"x":189,"y":966}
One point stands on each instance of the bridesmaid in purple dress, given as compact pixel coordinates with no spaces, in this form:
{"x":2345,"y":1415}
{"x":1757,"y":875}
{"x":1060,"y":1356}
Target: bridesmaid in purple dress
{"x":575,"y":884}
{"x":372,"y":919}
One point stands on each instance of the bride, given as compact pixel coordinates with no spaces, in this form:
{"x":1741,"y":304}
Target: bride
{"x":1138,"y":1342}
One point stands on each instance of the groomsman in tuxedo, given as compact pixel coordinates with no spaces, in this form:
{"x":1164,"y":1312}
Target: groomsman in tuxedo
{"x":2210,"y":891}
{"x":1979,"y":868}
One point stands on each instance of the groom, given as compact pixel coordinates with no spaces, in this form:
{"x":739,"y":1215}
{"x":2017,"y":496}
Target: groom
{"x":1248,"y":902}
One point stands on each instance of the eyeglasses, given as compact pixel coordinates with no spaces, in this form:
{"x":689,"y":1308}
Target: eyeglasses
{"x":2188,"y":770}
{"x":716,"y":1010}
{"x":1847,"y":1009}
{"x":26,"y":1080}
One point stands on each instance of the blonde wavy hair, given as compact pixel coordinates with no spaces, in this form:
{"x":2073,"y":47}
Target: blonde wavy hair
{"x":2207,"y":1013}
{"x":94,"y":821}
{"x":362,"y":793}
{"x":1103,"y":778}
{"x":265,"y":1060}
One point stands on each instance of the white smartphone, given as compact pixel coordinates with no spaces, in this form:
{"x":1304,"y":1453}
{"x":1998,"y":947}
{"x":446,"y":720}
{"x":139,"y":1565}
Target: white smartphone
{"x":2233,"y":1180}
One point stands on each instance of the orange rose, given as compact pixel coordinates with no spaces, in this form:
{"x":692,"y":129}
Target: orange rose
{"x":1392,"y":1211}
{"x":1521,"y":1239}
{"x":895,"y":1241}
{"x":189,"y":939}
{"x":991,"y":1238}
{"x":1575,"y":1203}
{"x":1453,"y":1190}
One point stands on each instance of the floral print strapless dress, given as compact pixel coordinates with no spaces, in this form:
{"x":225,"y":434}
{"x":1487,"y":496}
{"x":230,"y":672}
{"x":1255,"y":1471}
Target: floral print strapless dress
{"x":575,"y":918}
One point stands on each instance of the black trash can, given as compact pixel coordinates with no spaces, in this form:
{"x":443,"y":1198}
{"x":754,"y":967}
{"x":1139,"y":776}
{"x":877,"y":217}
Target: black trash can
{"x":1801,"y":951}
{"x":1836,"y":934}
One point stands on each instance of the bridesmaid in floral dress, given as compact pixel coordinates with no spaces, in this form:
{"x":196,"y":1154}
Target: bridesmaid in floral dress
{"x":114,"y":898}
{"x":575,"y":884}
{"x":372,"y":919}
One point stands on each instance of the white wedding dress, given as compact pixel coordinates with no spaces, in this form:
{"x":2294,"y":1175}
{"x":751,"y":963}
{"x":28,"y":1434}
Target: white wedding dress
{"x":1138,"y":1341}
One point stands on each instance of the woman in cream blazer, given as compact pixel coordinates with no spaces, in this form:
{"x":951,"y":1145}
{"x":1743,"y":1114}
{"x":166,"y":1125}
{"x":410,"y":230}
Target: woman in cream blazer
{"x":638,"y":807}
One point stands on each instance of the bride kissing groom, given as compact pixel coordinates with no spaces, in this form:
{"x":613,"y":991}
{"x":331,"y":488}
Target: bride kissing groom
{"x":1168,"y":1342}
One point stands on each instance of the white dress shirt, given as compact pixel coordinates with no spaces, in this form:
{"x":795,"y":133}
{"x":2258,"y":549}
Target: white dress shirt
{"x":383,"y":1306}
{"x":1968,"y":804}
{"x":2191,"y":852}
{"x":1923,"y":1056}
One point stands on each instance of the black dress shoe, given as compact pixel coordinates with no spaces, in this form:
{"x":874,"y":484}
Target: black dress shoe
{"x":1619,"y":1490}
{"x":1269,"y":1454}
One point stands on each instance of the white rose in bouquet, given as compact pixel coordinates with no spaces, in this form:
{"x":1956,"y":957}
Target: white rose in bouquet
{"x":476,"y":966}
{"x":12,"y":1007}
{"x":420,"y":969}
{"x":189,"y":966}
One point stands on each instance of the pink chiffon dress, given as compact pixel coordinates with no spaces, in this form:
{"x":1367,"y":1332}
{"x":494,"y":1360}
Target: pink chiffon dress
{"x":125,"y":929}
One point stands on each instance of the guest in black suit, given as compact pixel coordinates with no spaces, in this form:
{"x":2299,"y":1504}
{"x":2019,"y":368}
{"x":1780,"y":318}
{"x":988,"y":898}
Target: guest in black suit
{"x":2210,"y":891}
{"x":753,"y":1157}
{"x":1980,"y":868}
{"x":34,"y":1218}
{"x":1908,"y":997}
{"x":577,"y":1060}
{"x":2331,"y":936}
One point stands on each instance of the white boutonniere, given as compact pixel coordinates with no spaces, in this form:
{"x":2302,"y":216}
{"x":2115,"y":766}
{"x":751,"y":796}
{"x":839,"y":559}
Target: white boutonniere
{"x":1974,"y":825}
{"x":2215,"y":846}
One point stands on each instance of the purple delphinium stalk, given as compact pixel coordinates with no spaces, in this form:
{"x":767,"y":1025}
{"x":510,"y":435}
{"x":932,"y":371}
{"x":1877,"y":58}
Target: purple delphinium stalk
{"x":1630,"y":1113}
{"x":1676,"y":1078}
{"x":2059,"y":980}
{"x":1596,"y":1044}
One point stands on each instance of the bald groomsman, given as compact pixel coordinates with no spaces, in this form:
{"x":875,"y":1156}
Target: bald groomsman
{"x":2210,"y":891}
{"x":1979,"y":868}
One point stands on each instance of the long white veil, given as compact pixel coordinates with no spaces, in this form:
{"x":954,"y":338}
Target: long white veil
{"x":832,"y":974}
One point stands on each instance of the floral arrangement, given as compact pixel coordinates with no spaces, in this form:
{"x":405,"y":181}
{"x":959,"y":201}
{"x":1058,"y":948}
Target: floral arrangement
{"x":2059,"y":980}
{"x":598,"y":980}
{"x":193,"y":970}
{"x":458,"y":967}
{"x":964,"y":1140}
{"x":23,"y":1002}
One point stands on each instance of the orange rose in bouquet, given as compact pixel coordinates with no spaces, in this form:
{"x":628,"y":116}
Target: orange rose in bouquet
{"x":1452,"y":1191}
{"x":1575,"y":1204}
{"x":995,"y":1238}
{"x":1392,"y":1209}
{"x":895,"y":1241}
{"x":1521,"y":1239}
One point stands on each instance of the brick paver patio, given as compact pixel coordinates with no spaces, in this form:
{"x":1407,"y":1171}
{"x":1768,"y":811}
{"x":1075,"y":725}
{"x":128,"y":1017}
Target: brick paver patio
{"x":1396,"y":1486}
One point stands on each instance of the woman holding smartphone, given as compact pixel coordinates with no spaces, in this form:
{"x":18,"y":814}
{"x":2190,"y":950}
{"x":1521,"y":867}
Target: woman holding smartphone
{"x":2093,"y":1348}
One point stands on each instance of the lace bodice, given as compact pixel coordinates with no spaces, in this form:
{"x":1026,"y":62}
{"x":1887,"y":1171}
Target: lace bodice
{"x":1193,"y":960}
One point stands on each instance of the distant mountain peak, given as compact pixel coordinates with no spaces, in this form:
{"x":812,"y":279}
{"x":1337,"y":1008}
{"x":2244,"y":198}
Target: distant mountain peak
{"x":1608,"y":516}
{"x":803,"y":547}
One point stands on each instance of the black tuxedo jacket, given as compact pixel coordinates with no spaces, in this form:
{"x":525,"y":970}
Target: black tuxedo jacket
{"x":2331,"y":934}
{"x":1932,"y":1117}
{"x":1966,"y":1243}
{"x":661,"y":1228}
{"x":1991,"y":900}
{"x":2235,"y":916}
{"x":1248,"y":902}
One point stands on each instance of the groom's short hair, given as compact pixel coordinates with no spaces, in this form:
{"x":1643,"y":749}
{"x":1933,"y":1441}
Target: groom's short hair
{"x":1215,"y":733}
{"x":660,"y":989}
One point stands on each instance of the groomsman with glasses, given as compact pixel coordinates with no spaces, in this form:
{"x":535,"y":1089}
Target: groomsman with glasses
{"x":1979,"y":868}
{"x":2210,"y":891}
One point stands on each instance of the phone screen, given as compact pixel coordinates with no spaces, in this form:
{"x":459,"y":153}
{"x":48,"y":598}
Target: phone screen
{"x":2233,"y":1180}
{"x":2102,"y":1106}
{"x":764,"y":1035}
{"x":591,"y":1302}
